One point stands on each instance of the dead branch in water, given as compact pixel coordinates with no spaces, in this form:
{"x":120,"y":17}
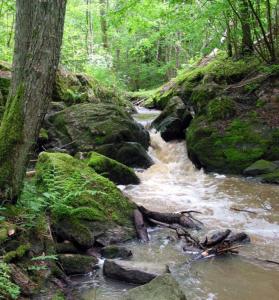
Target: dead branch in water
{"x":184,"y":219}
{"x":244,"y":210}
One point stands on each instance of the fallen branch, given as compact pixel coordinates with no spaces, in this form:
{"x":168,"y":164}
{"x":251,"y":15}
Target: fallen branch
{"x":182,"y":219}
{"x":244,"y":210}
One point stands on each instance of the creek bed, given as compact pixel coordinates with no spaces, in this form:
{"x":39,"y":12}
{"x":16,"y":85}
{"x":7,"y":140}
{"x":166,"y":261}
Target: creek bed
{"x":173,"y":184}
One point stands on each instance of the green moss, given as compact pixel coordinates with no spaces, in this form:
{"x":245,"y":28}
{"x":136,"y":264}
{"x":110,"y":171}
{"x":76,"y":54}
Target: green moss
{"x":43,"y":135}
{"x":16,"y":254}
{"x":80,"y":192}
{"x":221,"y":108}
{"x":271,"y":177}
{"x":260,"y":167}
{"x":112,"y":169}
{"x":10,"y":136}
{"x":221,"y":70}
{"x":229,"y":150}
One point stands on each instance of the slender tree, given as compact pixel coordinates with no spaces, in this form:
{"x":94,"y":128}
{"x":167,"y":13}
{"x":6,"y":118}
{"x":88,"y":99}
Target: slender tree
{"x":38,"y":38}
{"x":104,"y":25}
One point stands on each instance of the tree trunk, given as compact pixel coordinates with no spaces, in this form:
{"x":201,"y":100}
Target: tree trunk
{"x":104,"y":25}
{"x":38,"y":38}
{"x":247,"y":41}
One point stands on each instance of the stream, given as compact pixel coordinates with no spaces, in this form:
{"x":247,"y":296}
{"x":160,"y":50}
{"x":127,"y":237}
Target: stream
{"x":173,"y":184}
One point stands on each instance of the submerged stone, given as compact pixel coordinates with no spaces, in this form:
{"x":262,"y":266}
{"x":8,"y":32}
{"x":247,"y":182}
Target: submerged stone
{"x":132,"y":272}
{"x":163,"y":287}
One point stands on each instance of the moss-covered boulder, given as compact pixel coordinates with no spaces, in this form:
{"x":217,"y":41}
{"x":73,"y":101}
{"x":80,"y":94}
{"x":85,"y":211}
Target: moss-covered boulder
{"x":128,"y":153}
{"x":112,"y":169}
{"x":77,"y":264}
{"x":83,"y":204}
{"x":228,"y":147}
{"x":173,"y":120}
{"x":85,"y":127}
{"x":5,"y":80}
{"x":260,"y":167}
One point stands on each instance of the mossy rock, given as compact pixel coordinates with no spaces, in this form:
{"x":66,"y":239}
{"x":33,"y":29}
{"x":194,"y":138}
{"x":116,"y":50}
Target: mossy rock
{"x":202,"y":82}
{"x":77,"y":264}
{"x":77,"y":195}
{"x":271,"y":177}
{"x":221,"y":108}
{"x":173,"y":120}
{"x":16,"y":254}
{"x":228,"y":149}
{"x":5,"y":227}
{"x":112,"y":169}
{"x":130,"y":154}
{"x":85,"y":126}
{"x":260,"y":167}
{"x":114,"y":251}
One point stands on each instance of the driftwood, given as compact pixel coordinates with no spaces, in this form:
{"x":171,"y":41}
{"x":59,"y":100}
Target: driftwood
{"x":140,"y":226}
{"x":244,"y":210}
{"x":183,"y":219}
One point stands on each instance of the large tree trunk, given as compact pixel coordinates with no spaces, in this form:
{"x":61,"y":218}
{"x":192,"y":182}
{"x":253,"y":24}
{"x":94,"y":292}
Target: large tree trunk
{"x":38,"y":38}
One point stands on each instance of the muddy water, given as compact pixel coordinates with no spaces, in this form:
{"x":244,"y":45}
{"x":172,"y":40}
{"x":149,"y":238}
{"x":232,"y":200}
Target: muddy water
{"x":173,"y":184}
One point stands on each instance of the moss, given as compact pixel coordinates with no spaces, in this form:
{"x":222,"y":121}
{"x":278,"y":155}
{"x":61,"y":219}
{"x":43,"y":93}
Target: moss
{"x":16,"y":254}
{"x":221,"y":70}
{"x":221,"y":108}
{"x":43,"y":135}
{"x":271,"y":177}
{"x":115,"y":171}
{"x":87,"y":194}
{"x":260,"y":167}
{"x":77,"y":264}
{"x":58,"y":296}
{"x":10,"y":135}
{"x":229,"y":150}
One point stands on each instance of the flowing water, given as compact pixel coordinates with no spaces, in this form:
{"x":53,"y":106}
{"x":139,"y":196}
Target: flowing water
{"x":173,"y":184}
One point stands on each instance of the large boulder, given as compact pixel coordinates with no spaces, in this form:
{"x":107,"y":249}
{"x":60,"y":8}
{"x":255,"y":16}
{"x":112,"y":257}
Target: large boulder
{"x":163,"y":287}
{"x":132,"y":272}
{"x":173,"y":120}
{"x":230,"y":146}
{"x":83,"y":204}
{"x":87,"y":127}
{"x":112,"y":169}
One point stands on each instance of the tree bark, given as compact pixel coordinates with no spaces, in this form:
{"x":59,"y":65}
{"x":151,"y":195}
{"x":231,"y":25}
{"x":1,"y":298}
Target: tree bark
{"x":38,"y":38}
{"x":247,"y":41}
{"x":104,"y":26}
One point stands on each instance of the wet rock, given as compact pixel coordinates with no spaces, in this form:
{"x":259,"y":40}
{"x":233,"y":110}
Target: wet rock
{"x":115,"y":235}
{"x":77,"y":264}
{"x":112,"y":169}
{"x":173,"y":121}
{"x":84,"y":127}
{"x":129,"y":153}
{"x":260,"y":167}
{"x":271,"y":177}
{"x":132,"y":272}
{"x":66,"y":247}
{"x":163,"y":287}
{"x":114,"y":251}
